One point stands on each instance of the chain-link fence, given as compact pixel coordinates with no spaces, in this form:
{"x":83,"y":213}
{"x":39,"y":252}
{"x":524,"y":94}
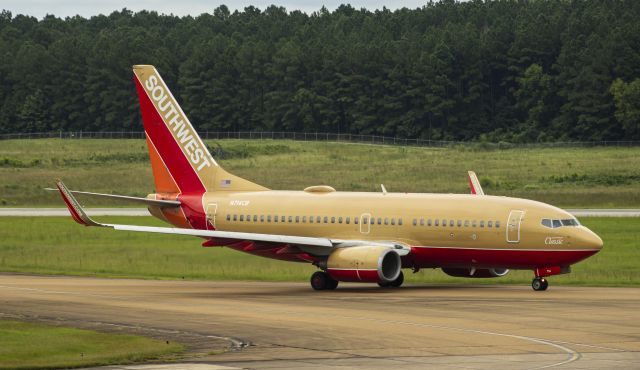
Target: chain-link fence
{"x":314,"y":136}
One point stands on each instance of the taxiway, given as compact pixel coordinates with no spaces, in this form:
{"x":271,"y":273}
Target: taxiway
{"x":287,"y":325}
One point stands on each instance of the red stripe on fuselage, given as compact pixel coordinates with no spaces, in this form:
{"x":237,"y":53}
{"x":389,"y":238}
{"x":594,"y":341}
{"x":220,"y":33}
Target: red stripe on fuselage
{"x":177,"y":163}
{"x":487,"y":258}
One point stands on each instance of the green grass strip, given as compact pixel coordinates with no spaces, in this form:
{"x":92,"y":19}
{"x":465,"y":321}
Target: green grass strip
{"x":57,"y":245}
{"x":36,"y":346}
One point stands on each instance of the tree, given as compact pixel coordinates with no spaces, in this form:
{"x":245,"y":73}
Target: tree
{"x":627,"y":100}
{"x":532,"y":98}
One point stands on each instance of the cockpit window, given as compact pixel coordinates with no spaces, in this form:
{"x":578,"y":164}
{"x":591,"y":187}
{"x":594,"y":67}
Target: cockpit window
{"x":570,"y":222}
{"x":552,"y":224}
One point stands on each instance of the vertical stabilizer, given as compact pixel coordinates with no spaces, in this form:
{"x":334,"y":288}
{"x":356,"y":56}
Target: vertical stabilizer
{"x":180,"y":160}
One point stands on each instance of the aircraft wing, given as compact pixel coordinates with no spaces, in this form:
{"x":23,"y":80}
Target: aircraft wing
{"x":147,"y":201}
{"x":313,"y":245}
{"x":474,"y":183}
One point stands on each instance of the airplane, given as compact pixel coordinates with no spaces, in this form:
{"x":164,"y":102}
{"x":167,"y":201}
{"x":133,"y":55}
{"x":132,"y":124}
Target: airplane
{"x":348,"y":236}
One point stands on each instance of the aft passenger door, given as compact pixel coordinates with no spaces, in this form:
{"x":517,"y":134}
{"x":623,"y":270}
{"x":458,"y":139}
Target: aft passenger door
{"x":513,"y":226}
{"x":212,"y":209}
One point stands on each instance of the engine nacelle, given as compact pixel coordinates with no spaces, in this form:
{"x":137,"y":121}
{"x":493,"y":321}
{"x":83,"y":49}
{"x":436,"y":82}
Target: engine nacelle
{"x":364,"y":264}
{"x":475,"y":273}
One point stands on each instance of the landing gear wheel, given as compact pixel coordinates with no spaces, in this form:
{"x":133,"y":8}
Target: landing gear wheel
{"x":539,"y":284}
{"x":331,"y":284}
{"x":321,"y":281}
{"x":393,"y":284}
{"x":398,"y":281}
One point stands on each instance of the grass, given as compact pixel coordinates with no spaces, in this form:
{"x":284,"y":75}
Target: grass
{"x":56,"y":245}
{"x":36,"y":346}
{"x":566,"y":177}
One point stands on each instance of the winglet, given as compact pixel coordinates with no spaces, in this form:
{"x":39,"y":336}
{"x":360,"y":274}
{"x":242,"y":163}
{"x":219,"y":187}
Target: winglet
{"x":75,"y":209}
{"x":474,"y":183}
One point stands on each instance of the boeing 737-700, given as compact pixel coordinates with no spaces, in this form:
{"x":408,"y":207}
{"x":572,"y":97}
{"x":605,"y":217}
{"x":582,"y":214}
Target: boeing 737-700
{"x":348,"y":236}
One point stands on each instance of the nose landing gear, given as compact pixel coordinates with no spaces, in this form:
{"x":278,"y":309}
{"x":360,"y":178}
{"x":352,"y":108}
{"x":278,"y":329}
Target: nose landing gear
{"x":539,"y":284}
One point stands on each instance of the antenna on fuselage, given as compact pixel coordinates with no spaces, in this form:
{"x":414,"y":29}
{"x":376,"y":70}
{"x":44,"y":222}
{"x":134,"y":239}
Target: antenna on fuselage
{"x":384,"y":190}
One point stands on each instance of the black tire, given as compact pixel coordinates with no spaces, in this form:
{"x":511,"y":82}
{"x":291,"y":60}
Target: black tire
{"x":398,"y":281}
{"x":384,"y":284}
{"x":545,"y":284}
{"x":320,"y":280}
{"x":539,"y":284}
{"x":331,"y":283}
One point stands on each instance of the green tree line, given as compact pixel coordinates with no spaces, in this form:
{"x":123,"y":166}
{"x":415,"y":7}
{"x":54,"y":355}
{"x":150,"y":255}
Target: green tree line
{"x":521,"y":71}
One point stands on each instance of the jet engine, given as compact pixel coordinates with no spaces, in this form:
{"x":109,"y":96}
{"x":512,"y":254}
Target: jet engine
{"x":475,"y":273}
{"x":373,"y":264}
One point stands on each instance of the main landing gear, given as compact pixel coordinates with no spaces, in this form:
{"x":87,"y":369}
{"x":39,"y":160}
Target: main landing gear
{"x":539,"y":284}
{"x":322,"y":281}
{"x":393,"y":284}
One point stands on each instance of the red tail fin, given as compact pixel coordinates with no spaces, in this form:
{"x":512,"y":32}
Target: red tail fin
{"x":186,"y":162}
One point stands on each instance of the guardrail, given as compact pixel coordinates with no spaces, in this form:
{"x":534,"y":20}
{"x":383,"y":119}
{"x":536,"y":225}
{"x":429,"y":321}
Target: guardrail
{"x":314,"y":136}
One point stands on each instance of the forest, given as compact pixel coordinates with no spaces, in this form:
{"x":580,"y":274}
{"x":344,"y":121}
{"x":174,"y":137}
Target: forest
{"x":516,"y":71}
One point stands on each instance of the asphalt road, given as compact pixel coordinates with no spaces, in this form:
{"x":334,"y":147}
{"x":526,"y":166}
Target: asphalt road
{"x":289,"y":326}
{"x":34,"y":212}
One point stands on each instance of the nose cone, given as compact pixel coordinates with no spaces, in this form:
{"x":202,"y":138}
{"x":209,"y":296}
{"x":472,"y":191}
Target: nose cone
{"x":590,"y":240}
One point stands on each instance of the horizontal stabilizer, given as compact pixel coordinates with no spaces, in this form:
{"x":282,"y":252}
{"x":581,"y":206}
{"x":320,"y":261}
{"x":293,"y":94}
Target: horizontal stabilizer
{"x":126,"y":198}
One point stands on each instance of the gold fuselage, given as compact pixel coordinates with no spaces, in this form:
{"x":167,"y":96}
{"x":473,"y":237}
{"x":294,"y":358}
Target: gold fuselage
{"x":463,"y":221}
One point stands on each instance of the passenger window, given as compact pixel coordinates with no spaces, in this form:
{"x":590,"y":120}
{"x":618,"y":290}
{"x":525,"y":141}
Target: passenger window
{"x":297,"y":219}
{"x":482,"y":223}
{"x":437,"y":223}
{"x":364,"y":220}
{"x":466,"y":223}
{"x":333,"y":220}
{"x":275,"y":218}
{"x":235,"y":217}
{"x":459,"y":223}
{"x":248,"y":218}
{"x":556,"y":223}
{"x":490,"y":224}
{"x":393,"y":221}
{"x":497,"y":224}
{"x":348,"y":220}
{"x":326,"y":219}
{"x":451,"y":222}
{"x":415,"y":222}
{"x":473,"y":223}
{"x":386,"y":221}
{"x":268,"y":218}
{"x":282,"y":218}
{"x":339,"y":220}
{"x":310,"y":219}
{"x":429,"y":222}
{"x":228,"y":217}
{"x":241,"y":217}
{"x":255,"y":218}
{"x":379,"y":220}
{"x":422,"y":222}
{"x":290,"y":219}
{"x":304,"y":219}
{"x":261,"y":218}
{"x":356,"y":220}
{"x":444,"y":222}
{"x":400,"y":221}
